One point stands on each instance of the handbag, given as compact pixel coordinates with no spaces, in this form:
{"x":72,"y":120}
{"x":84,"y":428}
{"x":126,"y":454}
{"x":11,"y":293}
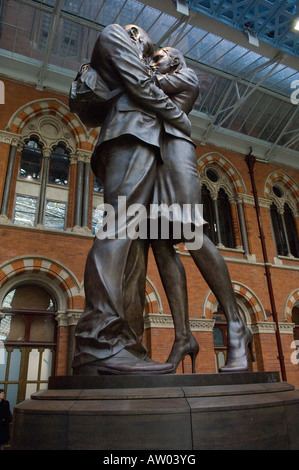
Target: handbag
{"x":90,"y":97}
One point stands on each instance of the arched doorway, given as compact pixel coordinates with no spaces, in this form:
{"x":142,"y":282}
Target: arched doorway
{"x":27,"y":340}
{"x":295,"y":320}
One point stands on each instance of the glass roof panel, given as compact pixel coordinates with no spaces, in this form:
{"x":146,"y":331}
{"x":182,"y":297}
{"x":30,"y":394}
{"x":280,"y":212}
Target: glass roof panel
{"x":160,"y":26}
{"x":26,"y":33}
{"x":270,"y":20}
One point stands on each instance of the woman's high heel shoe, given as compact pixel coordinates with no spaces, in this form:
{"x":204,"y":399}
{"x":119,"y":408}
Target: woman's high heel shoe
{"x":237,"y":360}
{"x":182,"y":349}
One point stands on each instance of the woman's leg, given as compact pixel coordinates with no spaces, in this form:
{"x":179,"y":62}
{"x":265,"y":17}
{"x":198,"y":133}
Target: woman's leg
{"x":173,"y":277}
{"x":215,"y":272}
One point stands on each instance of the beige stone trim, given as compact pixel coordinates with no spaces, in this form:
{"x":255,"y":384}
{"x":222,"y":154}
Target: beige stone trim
{"x":160,"y":320}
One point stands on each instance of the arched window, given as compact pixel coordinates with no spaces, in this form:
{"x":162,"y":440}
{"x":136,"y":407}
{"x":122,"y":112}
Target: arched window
{"x":28,"y":332}
{"x":217,"y":212}
{"x":225,"y":220}
{"x":223,"y":192}
{"x":41,"y":204}
{"x":283,"y":223}
{"x":31,"y":161}
{"x":59,"y":166}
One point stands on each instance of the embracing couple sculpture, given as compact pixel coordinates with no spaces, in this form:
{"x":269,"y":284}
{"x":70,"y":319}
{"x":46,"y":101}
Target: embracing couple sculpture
{"x":144,"y":153}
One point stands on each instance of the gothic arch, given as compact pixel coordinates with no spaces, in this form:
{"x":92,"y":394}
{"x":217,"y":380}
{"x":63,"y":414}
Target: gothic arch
{"x":291,"y":301}
{"x":152,"y":298}
{"x":53,"y":109}
{"x":285,"y":181}
{"x":248,"y":302}
{"x":230,"y":180}
{"x":46,"y":272}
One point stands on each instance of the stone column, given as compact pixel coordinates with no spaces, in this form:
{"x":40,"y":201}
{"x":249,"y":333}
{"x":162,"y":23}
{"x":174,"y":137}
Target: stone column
{"x":79,"y":190}
{"x":215,"y":207}
{"x":86,"y":193}
{"x":8,"y":178}
{"x":242,"y":224}
{"x":81,"y":218}
{"x":285,"y":234}
{"x":236,"y":225}
{"x":43,"y":186}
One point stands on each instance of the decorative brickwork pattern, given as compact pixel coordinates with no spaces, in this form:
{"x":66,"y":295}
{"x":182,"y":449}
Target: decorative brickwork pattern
{"x":53,"y":107}
{"x":287,"y":182}
{"x":224,"y":166}
{"x":291,"y":301}
{"x":249,"y":299}
{"x":55,"y":271}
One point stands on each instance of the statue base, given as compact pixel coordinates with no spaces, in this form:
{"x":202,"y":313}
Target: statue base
{"x":171,"y":412}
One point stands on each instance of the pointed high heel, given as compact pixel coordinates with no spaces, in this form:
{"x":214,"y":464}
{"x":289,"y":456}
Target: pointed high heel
{"x":237,"y":360}
{"x":179,"y":352}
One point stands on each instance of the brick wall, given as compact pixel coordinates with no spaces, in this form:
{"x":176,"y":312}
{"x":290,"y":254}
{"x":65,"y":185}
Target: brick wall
{"x":69,"y":251}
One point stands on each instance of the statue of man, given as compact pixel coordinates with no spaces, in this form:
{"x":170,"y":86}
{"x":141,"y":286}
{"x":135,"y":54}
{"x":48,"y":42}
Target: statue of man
{"x":108,"y":334}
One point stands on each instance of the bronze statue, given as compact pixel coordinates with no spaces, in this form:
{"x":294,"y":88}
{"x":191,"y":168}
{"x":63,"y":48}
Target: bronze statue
{"x":177,"y":181}
{"x":108,"y":337}
{"x":144,"y":154}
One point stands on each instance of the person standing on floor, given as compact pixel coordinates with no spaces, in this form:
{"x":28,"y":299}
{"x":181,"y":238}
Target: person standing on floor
{"x":5,"y":420}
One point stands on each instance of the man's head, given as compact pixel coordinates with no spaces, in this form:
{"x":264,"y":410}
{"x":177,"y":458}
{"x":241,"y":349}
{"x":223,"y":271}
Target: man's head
{"x":168,"y":60}
{"x":143,"y":41}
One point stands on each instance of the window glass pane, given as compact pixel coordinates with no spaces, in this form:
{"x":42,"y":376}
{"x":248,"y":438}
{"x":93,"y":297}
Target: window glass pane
{"x":210,"y":228}
{"x":59,"y":167}
{"x":220,"y":359}
{"x":30,"y":389}
{"x":33,"y":364}
{"x":70,"y":39}
{"x":97,"y":185}
{"x":46,"y":364}
{"x":42,"y":329}
{"x":29,"y":297}
{"x":14,"y":365}
{"x":225,"y":220}
{"x":279,"y":237}
{"x":218,"y":337}
{"x":3,"y":362}
{"x":55,"y":215}
{"x":12,"y":395}
{"x":97,"y":220}
{"x":25,"y":211}
{"x":291,"y":231}
{"x":12,"y":328}
{"x":31,"y":158}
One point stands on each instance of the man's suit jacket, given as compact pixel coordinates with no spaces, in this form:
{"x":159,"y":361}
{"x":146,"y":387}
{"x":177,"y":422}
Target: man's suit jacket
{"x":142,"y":108}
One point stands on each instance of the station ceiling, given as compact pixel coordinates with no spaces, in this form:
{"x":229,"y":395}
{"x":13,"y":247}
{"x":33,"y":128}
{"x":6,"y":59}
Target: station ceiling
{"x":246,"y":55}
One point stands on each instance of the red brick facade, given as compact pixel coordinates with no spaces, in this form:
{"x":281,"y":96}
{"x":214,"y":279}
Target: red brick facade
{"x":59,"y":257}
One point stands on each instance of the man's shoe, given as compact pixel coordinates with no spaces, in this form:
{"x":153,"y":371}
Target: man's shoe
{"x":124,"y":363}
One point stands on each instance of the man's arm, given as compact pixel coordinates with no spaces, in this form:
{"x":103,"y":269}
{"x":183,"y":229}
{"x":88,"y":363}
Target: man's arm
{"x":177,"y":82}
{"x":120,"y":51}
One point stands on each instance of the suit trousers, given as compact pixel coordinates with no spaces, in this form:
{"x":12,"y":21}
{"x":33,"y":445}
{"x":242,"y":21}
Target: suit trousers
{"x":115,"y":271}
